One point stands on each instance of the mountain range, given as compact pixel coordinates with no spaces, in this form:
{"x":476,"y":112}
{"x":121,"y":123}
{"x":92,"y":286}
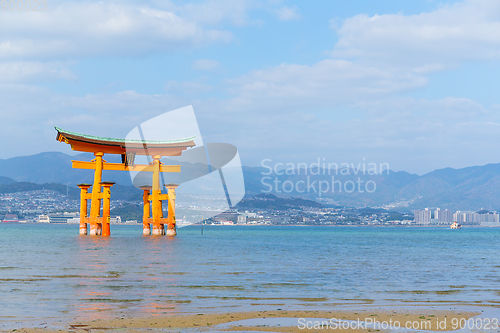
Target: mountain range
{"x":470,"y":188}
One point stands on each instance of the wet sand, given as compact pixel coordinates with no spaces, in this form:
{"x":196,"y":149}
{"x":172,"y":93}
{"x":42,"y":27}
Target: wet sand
{"x":210,"y":322}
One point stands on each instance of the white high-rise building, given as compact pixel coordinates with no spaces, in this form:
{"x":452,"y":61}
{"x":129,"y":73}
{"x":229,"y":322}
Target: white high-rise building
{"x":242,"y":219}
{"x":459,"y":217}
{"x":489,"y":217}
{"x":471,"y":218}
{"x":422,"y":216}
{"x":443,"y":216}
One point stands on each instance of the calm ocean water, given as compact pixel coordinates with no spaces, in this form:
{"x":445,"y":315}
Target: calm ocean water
{"x":49,"y":273}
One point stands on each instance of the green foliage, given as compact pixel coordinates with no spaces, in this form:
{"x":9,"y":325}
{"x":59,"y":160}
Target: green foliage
{"x":118,"y":192}
{"x":74,"y":193}
{"x":129,"y":212}
{"x":270,"y":201}
{"x":127,"y":193}
{"x":371,"y":211}
{"x":397,"y":217}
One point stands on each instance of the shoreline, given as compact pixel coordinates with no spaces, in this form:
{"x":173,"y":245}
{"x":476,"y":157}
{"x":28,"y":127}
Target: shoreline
{"x":275,"y":225}
{"x":428,"y":318}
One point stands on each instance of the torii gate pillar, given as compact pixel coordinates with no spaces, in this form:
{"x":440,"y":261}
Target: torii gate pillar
{"x":106,"y":207}
{"x":84,"y":196}
{"x":157,"y":210}
{"x":171,"y":228}
{"x":146,"y":226}
{"x":95,"y":203}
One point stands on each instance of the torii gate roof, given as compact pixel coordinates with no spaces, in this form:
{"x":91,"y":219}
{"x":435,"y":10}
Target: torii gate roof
{"x":90,"y":143}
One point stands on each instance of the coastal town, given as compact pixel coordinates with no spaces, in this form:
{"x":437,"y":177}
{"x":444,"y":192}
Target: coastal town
{"x":47,"y":206}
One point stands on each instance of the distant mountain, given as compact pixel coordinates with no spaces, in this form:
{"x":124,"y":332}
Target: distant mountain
{"x":345,"y":187}
{"x":470,"y":188}
{"x":27,"y":186}
{"x":270,"y":201}
{"x":119,"y":192}
{"x":55,"y":167}
{"x":6,"y":180}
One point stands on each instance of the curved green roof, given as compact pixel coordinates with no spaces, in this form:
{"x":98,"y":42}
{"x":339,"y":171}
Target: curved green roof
{"x":99,"y":138}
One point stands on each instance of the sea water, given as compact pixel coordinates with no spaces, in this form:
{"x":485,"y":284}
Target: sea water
{"x":49,"y":273}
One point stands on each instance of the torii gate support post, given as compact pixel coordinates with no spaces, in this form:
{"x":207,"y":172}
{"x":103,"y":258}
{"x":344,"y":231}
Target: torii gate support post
{"x":156,"y":198}
{"x":171,"y":227}
{"x":152,"y":198}
{"x":95,"y":204}
{"x":146,"y":227}
{"x":84,"y":196}
{"x":106,"y":208}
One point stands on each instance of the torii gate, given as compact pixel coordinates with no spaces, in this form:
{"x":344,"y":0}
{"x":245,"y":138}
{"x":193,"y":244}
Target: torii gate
{"x":99,"y":225}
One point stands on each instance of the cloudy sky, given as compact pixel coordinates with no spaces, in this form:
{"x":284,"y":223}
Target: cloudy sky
{"x":410,"y":83}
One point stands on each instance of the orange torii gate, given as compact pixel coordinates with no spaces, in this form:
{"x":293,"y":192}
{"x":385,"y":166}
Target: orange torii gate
{"x":101,"y":191}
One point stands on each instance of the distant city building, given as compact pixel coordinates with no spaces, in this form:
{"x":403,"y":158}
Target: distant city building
{"x":242,"y":219}
{"x":61,"y":217}
{"x":443,"y":216}
{"x":476,"y":218}
{"x":471,"y":218}
{"x":71,"y":218}
{"x":422,"y":216}
{"x":43,"y":219}
{"x":10,"y":218}
{"x":227,"y":216}
{"x":458,"y":217}
{"x":489,"y":217}
{"x":112,"y":220}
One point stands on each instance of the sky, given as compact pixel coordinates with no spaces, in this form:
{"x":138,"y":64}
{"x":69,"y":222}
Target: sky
{"x":413,"y":84}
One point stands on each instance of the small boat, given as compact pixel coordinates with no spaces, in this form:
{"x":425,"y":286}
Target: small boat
{"x":455,"y":225}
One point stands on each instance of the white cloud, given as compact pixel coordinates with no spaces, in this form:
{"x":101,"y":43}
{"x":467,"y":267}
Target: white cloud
{"x":445,"y":110}
{"x":29,"y":71}
{"x":29,"y":115}
{"x":187,"y":87}
{"x":292,"y":112}
{"x":327,"y":82}
{"x":288,"y":13}
{"x":205,"y":65}
{"x":415,"y":135}
{"x":409,"y":134}
{"x":468,"y":30}
{"x":217,"y":11}
{"x":387,"y":54}
{"x":75,"y":29}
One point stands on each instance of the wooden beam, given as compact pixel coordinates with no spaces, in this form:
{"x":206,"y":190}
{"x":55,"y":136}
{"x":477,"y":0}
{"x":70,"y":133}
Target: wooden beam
{"x":122,"y":167}
{"x":151,"y":150}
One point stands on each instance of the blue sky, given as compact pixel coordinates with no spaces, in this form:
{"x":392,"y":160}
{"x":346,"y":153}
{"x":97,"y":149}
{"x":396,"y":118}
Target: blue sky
{"x":409,"y":83}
